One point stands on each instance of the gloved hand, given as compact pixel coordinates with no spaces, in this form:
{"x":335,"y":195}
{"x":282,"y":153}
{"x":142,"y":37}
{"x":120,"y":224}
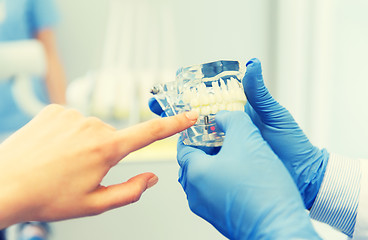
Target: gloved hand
{"x":305,"y":162}
{"x":155,"y":107}
{"x":244,"y":191}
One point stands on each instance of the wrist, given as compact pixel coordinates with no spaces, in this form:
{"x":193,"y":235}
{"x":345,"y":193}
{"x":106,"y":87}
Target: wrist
{"x":14,"y":199}
{"x":318,"y":169}
{"x":291,"y":224}
{"x":11,"y":209}
{"x":284,"y":218}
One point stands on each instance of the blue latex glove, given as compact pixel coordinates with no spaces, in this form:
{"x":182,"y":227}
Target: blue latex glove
{"x":155,"y":107}
{"x":244,"y":191}
{"x":305,"y":162}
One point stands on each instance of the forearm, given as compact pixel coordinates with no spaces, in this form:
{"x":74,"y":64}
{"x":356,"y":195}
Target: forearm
{"x":55,"y":81}
{"x":55,"y":76}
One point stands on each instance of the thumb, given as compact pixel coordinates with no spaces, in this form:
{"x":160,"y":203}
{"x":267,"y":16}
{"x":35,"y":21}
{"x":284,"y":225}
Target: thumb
{"x":155,"y":107}
{"x":257,"y":94}
{"x":114,"y":196}
{"x":236,"y":125}
{"x":242,"y":137}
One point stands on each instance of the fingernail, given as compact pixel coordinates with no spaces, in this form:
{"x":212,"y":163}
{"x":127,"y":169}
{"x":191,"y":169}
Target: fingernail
{"x":192,"y":115}
{"x":152,"y":181}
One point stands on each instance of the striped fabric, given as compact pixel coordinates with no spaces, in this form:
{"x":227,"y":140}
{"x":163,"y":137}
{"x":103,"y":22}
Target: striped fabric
{"x":337,"y":200}
{"x":361,"y":229}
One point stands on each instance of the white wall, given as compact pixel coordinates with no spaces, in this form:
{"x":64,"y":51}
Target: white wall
{"x":204,"y":30}
{"x":80,"y":35}
{"x":321,"y":70}
{"x":349,"y":112}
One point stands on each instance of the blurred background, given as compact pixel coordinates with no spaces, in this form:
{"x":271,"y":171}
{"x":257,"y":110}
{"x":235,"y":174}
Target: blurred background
{"x":313,"y":54}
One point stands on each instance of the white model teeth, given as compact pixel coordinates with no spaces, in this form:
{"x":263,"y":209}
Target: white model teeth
{"x":221,"y":96}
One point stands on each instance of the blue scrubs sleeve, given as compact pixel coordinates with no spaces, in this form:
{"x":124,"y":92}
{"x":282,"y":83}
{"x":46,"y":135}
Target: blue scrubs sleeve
{"x":43,"y":14}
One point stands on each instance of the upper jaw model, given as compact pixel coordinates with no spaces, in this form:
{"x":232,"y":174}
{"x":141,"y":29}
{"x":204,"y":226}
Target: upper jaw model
{"x":219,"y":96}
{"x":206,"y":88}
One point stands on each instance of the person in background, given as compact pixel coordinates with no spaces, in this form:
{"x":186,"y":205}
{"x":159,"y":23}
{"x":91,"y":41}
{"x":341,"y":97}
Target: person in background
{"x":23,"y":20}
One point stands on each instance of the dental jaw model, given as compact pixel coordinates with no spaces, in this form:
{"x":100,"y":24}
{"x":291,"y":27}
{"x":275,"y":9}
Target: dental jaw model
{"x":220,"y":96}
{"x":206,"y":88}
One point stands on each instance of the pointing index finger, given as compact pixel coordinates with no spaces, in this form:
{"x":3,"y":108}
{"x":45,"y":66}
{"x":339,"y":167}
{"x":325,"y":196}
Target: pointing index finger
{"x":143,"y":134}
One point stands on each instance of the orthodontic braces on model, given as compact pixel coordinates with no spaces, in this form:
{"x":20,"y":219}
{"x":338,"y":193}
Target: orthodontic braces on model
{"x":206,"y":88}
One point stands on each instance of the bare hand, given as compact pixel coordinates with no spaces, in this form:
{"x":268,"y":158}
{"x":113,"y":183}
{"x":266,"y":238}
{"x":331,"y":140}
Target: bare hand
{"x":52,"y":168}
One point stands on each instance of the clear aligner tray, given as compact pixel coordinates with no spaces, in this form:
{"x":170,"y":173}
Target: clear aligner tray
{"x":206,"y":88}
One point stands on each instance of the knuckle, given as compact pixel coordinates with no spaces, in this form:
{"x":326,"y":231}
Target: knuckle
{"x":51,"y":108}
{"x":136,"y":193}
{"x":197,"y":171}
{"x":112,"y":152}
{"x":192,"y":206}
{"x":94,"y":124}
{"x":194,"y":175}
{"x":107,"y":151}
{"x":157,"y":127}
{"x":93,"y":121}
{"x":135,"y":197}
{"x":72,"y":113}
{"x":96,"y":206}
{"x":115,"y":147}
{"x":54,"y":106}
{"x":50,"y":111}
{"x":101,"y":150}
{"x":238,"y":114}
